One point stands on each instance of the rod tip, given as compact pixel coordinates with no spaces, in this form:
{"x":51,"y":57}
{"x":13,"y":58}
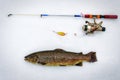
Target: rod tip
{"x":10,"y":15}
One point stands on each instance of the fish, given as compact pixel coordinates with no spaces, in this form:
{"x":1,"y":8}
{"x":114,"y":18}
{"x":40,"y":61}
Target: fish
{"x":60,"y":57}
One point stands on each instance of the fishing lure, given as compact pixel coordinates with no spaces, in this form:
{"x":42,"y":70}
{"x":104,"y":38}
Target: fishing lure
{"x":60,"y":33}
{"x":59,"y":57}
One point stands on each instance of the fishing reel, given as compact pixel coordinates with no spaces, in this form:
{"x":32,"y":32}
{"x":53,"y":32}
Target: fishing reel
{"x":92,"y":27}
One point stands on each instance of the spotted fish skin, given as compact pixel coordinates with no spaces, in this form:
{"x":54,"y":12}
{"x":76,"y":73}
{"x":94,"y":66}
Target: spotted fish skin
{"x":59,"y":57}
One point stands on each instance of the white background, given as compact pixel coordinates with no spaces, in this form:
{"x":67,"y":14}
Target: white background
{"x":22,"y":35}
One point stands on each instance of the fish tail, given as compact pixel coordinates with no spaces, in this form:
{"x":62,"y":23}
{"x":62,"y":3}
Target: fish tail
{"x":92,"y":56}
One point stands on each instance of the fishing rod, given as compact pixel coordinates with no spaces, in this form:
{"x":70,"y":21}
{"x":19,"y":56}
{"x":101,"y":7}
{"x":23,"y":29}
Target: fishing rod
{"x":88,"y":27}
{"x":76,"y":15}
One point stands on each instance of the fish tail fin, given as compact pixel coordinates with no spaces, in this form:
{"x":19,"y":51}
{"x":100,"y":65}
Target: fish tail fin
{"x":92,"y":56}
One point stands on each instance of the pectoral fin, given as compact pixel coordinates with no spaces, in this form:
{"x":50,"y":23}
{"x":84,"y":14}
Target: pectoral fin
{"x":42,"y":63}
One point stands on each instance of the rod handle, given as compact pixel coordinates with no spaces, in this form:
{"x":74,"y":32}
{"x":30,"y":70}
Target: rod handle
{"x":101,"y":16}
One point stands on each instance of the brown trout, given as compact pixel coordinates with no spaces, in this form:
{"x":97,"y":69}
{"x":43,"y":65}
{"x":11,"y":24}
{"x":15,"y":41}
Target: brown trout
{"x":59,"y":57}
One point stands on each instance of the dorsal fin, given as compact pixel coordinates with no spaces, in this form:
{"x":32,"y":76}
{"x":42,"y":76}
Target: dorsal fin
{"x":60,"y":50}
{"x":80,"y":53}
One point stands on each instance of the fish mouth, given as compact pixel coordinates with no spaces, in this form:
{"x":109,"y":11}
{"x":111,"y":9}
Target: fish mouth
{"x":25,"y":58}
{"x":31,"y":60}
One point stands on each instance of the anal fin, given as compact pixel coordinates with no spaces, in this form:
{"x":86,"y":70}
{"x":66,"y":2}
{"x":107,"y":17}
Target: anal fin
{"x":79,"y":64}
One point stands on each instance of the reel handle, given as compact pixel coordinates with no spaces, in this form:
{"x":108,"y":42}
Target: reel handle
{"x":101,"y":16}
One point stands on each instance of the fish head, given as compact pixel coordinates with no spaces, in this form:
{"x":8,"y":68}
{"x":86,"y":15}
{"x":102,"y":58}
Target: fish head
{"x":31,"y":58}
